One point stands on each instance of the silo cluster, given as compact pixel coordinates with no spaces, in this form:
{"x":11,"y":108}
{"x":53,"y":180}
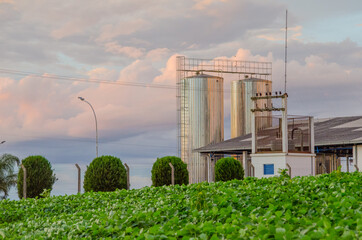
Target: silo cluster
{"x":202,"y":120}
{"x":202,"y":115}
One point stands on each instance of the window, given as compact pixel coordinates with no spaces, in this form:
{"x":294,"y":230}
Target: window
{"x":268,"y":169}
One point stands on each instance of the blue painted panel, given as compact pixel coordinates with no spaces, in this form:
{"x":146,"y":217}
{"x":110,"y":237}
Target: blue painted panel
{"x":268,"y":169}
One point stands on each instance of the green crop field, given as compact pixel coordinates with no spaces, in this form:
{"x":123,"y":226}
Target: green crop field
{"x":322,"y":207}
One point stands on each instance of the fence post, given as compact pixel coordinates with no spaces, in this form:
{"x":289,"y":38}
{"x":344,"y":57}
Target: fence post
{"x":172,"y":174}
{"x":253,"y":171}
{"x":24,"y":181}
{"x":289,"y":170}
{"x":127,"y":169}
{"x":356,"y":167}
{"x":79,"y":177}
{"x":324,"y":167}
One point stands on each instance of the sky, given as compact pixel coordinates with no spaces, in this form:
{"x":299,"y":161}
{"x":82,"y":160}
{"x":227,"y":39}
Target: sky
{"x":116,"y":54}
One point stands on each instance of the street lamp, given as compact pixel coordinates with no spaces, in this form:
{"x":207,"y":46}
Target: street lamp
{"x":95,"y":117}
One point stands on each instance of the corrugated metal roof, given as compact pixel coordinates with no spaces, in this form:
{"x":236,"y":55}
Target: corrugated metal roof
{"x":327,"y":132}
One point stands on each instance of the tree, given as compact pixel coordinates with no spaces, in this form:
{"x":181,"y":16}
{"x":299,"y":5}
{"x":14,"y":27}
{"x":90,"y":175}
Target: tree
{"x":7,"y":175}
{"x":105,"y":174}
{"x":227,"y":169}
{"x":161,"y":171}
{"x":39,"y":176}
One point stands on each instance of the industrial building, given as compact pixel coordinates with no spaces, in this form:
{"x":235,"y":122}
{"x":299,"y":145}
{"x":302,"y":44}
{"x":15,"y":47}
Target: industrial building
{"x":263,"y":142}
{"x":335,"y":139}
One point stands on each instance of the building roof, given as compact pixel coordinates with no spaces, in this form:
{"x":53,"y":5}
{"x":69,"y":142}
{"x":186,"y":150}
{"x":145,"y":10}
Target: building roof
{"x":327,"y":132}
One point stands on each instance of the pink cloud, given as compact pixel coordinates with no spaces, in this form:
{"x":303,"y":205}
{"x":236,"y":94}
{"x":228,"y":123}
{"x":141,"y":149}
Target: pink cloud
{"x":272,"y":35}
{"x":102,"y":73}
{"x":202,"y":4}
{"x":70,"y":28}
{"x":132,"y":52}
{"x":168,"y":75}
{"x":158,"y":54}
{"x":110,"y":31}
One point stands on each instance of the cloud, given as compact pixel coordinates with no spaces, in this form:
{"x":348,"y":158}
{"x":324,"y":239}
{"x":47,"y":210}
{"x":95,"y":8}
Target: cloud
{"x":110,"y":31}
{"x":69,"y":29}
{"x":273,"y":35}
{"x":158,"y":54}
{"x":168,"y":75}
{"x":202,"y":4}
{"x":102,"y":73}
{"x":132,"y":52}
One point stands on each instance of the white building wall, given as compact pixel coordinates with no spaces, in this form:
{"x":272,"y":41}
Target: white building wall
{"x":301,"y":164}
{"x":258,"y":161}
{"x":357,"y":157}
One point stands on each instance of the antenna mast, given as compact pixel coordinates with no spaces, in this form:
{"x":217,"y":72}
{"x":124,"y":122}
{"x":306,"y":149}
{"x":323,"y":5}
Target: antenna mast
{"x":286,"y":51}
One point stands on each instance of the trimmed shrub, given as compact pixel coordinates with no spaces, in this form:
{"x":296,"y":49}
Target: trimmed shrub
{"x":105,"y":174}
{"x":161,"y":171}
{"x":227,"y":169}
{"x":39,"y":176}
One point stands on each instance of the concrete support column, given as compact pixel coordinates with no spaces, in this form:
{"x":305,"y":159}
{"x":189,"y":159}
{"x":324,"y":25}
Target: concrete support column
{"x":357,"y":157}
{"x":253,"y":130}
{"x":246,"y":164}
{"x":285,"y":124}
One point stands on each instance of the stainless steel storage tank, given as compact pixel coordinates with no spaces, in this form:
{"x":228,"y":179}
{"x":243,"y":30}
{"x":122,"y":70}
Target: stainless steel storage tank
{"x":202,"y":120}
{"x":241,"y":104}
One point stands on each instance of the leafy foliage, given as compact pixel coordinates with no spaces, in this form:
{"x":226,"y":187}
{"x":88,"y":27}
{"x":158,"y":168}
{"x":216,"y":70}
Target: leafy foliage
{"x":227,"y":169}
{"x":7,"y":175}
{"x":161,"y":171}
{"x":321,"y":207}
{"x":105,"y":174}
{"x":283,"y":173}
{"x":39,"y":176}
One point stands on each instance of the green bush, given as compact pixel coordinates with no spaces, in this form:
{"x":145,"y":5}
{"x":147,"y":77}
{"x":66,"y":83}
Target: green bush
{"x":161,"y":171}
{"x":227,"y":169}
{"x":105,"y":174}
{"x":39,"y":176}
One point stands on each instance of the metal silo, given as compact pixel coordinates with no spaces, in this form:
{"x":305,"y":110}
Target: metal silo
{"x":241,"y":104}
{"x":202,"y":120}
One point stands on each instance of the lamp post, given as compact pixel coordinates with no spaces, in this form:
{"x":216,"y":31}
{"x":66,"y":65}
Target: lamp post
{"x":95,"y":117}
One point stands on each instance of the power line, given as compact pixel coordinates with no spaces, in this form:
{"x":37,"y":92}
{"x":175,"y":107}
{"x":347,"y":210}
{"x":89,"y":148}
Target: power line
{"x":78,"y":79}
{"x":102,"y":81}
{"x":84,"y":140}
